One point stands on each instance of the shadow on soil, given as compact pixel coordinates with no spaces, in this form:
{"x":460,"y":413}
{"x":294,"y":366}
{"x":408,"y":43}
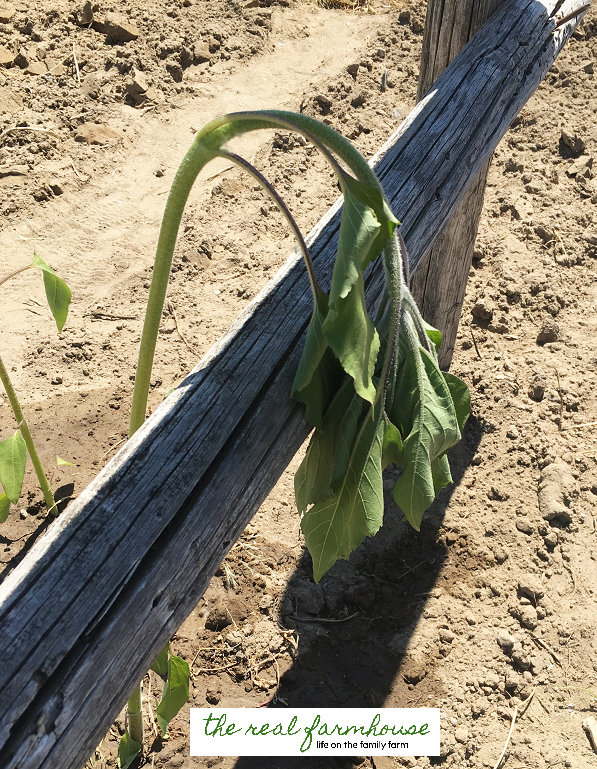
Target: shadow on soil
{"x":360,"y":661}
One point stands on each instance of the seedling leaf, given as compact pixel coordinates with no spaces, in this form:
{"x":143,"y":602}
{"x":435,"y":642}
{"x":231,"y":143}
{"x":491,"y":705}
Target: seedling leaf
{"x":13,"y":456}
{"x":176,"y":692}
{"x":160,"y":666}
{"x":128,"y":750}
{"x":57,"y":292}
{"x":4,"y":507}
{"x":60,"y":461}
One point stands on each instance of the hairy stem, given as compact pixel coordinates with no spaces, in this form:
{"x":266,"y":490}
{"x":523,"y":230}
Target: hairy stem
{"x":134,"y":712}
{"x":195,"y":159}
{"x":19,"y":416}
{"x":284,"y":209}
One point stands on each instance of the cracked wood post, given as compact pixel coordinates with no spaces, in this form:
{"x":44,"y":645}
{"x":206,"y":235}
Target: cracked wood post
{"x":440,"y":283}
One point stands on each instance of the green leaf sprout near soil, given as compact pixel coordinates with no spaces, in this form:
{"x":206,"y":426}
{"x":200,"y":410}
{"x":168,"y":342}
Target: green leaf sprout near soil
{"x":14,"y":450}
{"x":371,"y":388}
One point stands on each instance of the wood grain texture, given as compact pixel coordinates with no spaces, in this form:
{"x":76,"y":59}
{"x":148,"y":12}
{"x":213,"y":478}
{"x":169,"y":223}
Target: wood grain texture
{"x":440,"y":284}
{"x":85,"y":613}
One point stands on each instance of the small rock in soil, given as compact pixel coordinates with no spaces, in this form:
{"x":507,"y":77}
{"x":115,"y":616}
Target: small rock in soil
{"x":524,"y":526}
{"x":6,"y":57}
{"x":117,"y":27}
{"x":461,"y":734}
{"x":483,"y":309}
{"x":572,"y":140}
{"x":7,"y":11}
{"x":557,"y":487}
{"x":217,"y":619}
{"x":531,"y":587}
{"x":10,"y":102}
{"x":85,"y":15}
{"x":550,"y":332}
{"x":505,"y":640}
{"x":213,"y":695}
{"x":580,"y":165}
{"x":37,"y":68}
{"x":537,"y":387}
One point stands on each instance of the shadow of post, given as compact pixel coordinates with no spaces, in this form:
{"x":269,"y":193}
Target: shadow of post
{"x":354,"y":653}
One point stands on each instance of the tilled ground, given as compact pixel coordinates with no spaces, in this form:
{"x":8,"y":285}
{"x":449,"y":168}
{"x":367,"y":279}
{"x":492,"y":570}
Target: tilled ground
{"x":495,"y":599}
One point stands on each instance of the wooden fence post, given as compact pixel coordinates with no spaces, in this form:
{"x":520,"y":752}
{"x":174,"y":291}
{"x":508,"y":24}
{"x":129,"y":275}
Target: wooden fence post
{"x":440,"y":283}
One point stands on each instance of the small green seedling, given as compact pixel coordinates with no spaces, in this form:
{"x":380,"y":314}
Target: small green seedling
{"x":14,"y":450}
{"x":373,"y":390}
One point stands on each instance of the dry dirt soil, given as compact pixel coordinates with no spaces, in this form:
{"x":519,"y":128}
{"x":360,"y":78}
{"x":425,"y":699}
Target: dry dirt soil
{"x":495,"y":598}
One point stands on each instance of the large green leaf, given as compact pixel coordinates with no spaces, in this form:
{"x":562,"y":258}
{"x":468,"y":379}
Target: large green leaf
{"x":348,"y":328}
{"x":328,"y":452}
{"x":319,"y":373}
{"x":335,"y":527}
{"x":353,"y":338}
{"x":128,"y":750}
{"x":375,"y":201}
{"x":13,"y":456}
{"x":57,"y":292}
{"x":4,"y":507}
{"x":461,"y":398}
{"x":424,"y":410}
{"x":176,"y":692}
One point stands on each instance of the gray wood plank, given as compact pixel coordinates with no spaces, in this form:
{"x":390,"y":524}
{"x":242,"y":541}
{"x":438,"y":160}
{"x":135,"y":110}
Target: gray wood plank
{"x":439,"y":285}
{"x":85,"y":613}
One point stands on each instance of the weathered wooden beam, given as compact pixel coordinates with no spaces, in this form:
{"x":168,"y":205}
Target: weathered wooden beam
{"x":439,"y":285}
{"x":85,"y":613}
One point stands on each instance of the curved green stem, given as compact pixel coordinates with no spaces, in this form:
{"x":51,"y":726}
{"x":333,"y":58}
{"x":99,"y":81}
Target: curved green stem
{"x":19,"y":416}
{"x":195,"y":159}
{"x":207,"y":145}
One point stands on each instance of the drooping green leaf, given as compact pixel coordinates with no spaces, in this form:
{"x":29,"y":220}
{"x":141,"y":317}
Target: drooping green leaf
{"x":347,"y":327}
{"x":434,"y":334}
{"x":374,"y":200}
{"x":57,"y":292}
{"x":424,"y":409}
{"x":440,"y":472}
{"x":329,"y":451}
{"x":461,"y":398}
{"x":335,"y":527}
{"x":354,"y":339}
{"x":4,"y":507}
{"x":60,"y":461}
{"x":392,"y":445}
{"x":319,"y":373}
{"x":160,"y":666}
{"x":176,"y":692}
{"x":128,"y":750}
{"x":13,"y":457}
